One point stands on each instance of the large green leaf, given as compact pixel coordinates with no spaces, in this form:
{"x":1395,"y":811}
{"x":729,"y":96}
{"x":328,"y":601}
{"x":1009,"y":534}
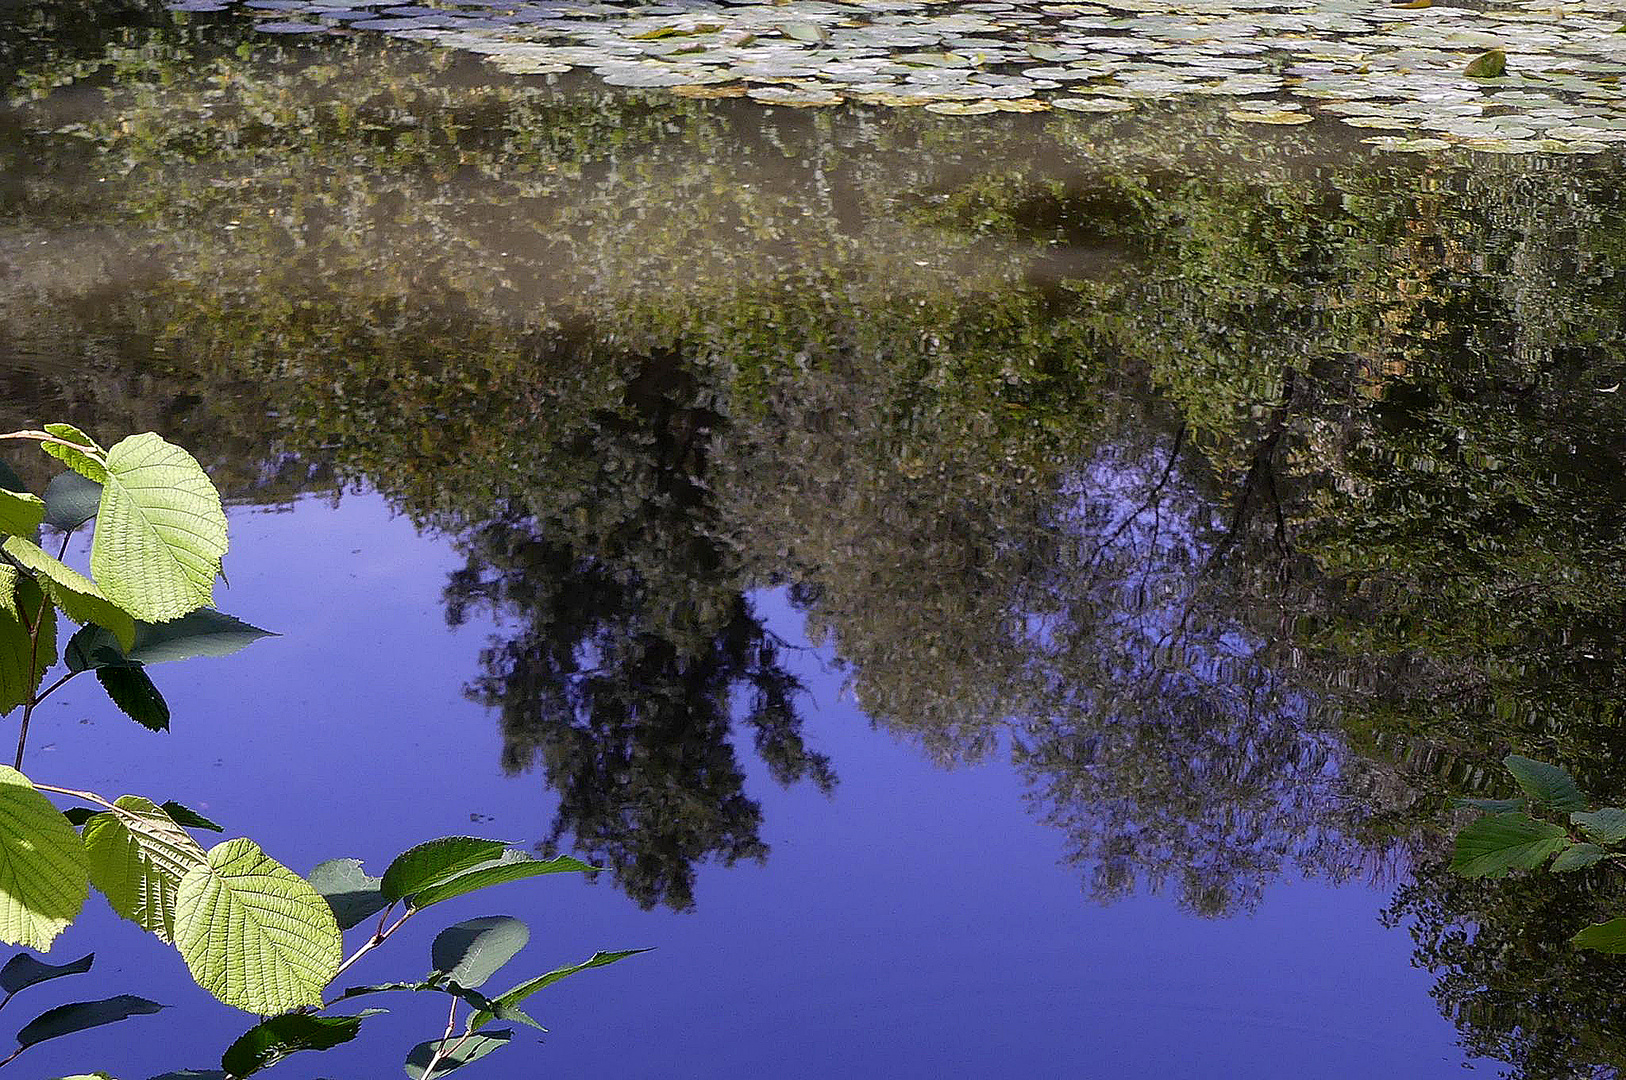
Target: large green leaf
{"x":138,"y":856}
{"x":71,"y":500}
{"x":254,"y":933}
{"x":512,"y":865}
{"x":83,"y":1015}
{"x":86,"y":464}
{"x":1546,"y":783}
{"x":1578,"y":857}
{"x":471,"y":951}
{"x":434,"y":861}
{"x":23,"y":971}
{"x":43,"y":875}
{"x":202,"y":633}
{"x":269,"y":1041}
{"x":161,"y":531}
{"x":1606,"y":826}
{"x":20,"y":512}
{"x":1607,"y":937}
{"x":136,"y":696}
{"x":23,"y":659}
{"x":468,"y":1049}
{"x":350,"y":891}
{"x":511,"y":999}
{"x":77,"y":596}
{"x":1497,"y":843}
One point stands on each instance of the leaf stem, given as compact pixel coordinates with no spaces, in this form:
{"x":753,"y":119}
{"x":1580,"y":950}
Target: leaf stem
{"x":87,"y":796}
{"x":442,"y":1050}
{"x":34,"y":674}
{"x":47,"y":437}
{"x":378,"y":938}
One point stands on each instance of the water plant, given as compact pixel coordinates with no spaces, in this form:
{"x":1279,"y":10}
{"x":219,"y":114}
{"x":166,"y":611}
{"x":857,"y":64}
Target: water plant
{"x":252,"y":932}
{"x":1554,"y":825}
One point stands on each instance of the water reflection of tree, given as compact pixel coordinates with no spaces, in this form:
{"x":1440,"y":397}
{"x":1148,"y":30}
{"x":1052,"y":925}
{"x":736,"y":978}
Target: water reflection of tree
{"x":626,"y":644}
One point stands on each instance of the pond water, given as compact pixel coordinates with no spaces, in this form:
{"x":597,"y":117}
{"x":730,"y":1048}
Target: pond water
{"x":1001,"y":594}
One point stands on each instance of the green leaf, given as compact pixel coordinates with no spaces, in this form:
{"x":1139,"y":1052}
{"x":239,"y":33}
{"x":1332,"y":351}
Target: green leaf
{"x":70,"y":501}
{"x":92,"y":647}
{"x":23,"y":971}
{"x":83,"y":1015}
{"x":78,"y":460}
{"x":353,"y":894}
{"x":135,"y":695}
{"x":1487,"y":65}
{"x":253,"y":933}
{"x":202,"y":633}
{"x":470,"y":952}
{"x":43,"y":875}
{"x":511,"y":998}
{"x":435,"y":861}
{"x":9,"y":480}
{"x":1497,"y":843}
{"x":20,"y":512}
{"x":1546,"y":783}
{"x":75,"y":594}
{"x":269,"y":1041}
{"x":1579,"y":856}
{"x":1606,"y":826}
{"x":138,"y":856}
{"x":473,"y":1048}
{"x":23,"y":660}
{"x":188,"y":818}
{"x":1606,"y":937}
{"x":78,"y":815}
{"x":192,"y":1074}
{"x":807,"y":32}
{"x":510,"y":866}
{"x":160,"y":533}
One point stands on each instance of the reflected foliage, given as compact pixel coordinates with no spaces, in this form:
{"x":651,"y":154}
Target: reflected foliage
{"x":1257,"y":497}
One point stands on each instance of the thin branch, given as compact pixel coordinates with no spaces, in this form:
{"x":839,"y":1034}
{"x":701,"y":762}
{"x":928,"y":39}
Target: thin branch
{"x":378,"y":938}
{"x":47,"y":437}
{"x":442,"y":1050}
{"x":87,"y":796}
{"x":33,"y":667}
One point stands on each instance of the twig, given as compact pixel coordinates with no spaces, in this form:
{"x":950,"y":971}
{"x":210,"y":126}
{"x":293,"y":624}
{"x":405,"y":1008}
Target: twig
{"x":442,"y":1050}
{"x":87,"y":796}
{"x":378,"y":938}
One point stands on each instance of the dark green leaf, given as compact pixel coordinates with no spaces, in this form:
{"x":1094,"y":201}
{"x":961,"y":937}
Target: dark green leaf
{"x":511,"y":866}
{"x":134,"y":693}
{"x":71,"y":500}
{"x":78,"y":815}
{"x":1487,"y":65}
{"x":511,"y":998}
{"x":350,"y":891}
{"x":83,"y":1015}
{"x":435,"y":861}
{"x":23,"y":971}
{"x":93,"y":647}
{"x":1546,"y":783}
{"x":188,"y":818}
{"x":1579,"y":856}
{"x":269,"y":1041}
{"x":1493,"y":806}
{"x":1606,"y":826}
{"x":472,"y":1048}
{"x":204,"y":632}
{"x":1497,"y":843}
{"x":9,"y":478}
{"x":1607,"y":937}
{"x":193,"y":1074}
{"x":386,"y":988}
{"x":470,"y":952}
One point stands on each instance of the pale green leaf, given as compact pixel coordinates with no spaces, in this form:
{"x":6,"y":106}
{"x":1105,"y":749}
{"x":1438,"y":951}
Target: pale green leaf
{"x":253,"y":933}
{"x":138,"y":856}
{"x":23,"y":971}
{"x":1546,"y":783}
{"x":20,"y":512}
{"x":161,"y":531}
{"x":43,"y":876}
{"x":1579,"y":856}
{"x":83,"y":1015}
{"x":84,"y":462}
{"x":1606,"y":826}
{"x":469,"y":1049}
{"x":471,"y":951}
{"x":351,"y":892}
{"x":1497,"y":843}
{"x":511,"y":998}
{"x":1606,"y":937}
{"x":24,"y":658}
{"x":77,"y":596}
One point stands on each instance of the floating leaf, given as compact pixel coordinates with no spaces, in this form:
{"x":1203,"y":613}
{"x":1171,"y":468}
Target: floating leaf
{"x":1497,"y":843}
{"x":471,"y":951}
{"x":253,"y":933}
{"x":1487,"y":65}
{"x":44,"y":878}
{"x":161,"y":531}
